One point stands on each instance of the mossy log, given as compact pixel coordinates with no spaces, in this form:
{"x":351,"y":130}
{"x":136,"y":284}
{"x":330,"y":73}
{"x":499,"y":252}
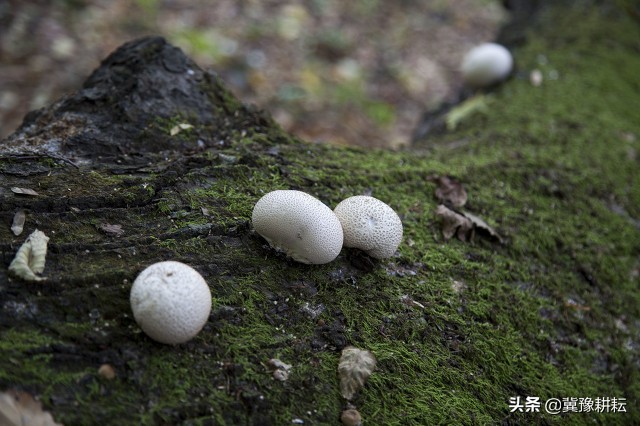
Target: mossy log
{"x":153,"y":159}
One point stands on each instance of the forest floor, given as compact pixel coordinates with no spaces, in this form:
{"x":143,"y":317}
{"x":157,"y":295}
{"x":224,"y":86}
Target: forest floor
{"x":359,"y":73}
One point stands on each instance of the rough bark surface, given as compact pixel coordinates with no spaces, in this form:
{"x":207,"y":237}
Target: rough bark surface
{"x":458,"y":328}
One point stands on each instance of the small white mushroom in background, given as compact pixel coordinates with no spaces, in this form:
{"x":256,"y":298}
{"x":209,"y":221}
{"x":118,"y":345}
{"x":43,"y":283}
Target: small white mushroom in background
{"x":536,"y":77}
{"x":298,"y":224}
{"x":170,"y":301}
{"x":486,"y":64}
{"x":370,"y":225}
{"x":30,"y":258}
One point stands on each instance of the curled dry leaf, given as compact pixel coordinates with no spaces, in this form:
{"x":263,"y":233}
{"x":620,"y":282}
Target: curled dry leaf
{"x":453,"y":223}
{"x":465,"y":226}
{"x":481,"y":227}
{"x":355,"y":366}
{"x":20,"y":408}
{"x":18,"y":222}
{"x":23,"y":191}
{"x":449,"y":191}
{"x":30,"y":258}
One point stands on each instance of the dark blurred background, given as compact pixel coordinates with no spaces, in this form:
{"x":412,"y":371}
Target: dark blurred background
{"x":356,"y":72}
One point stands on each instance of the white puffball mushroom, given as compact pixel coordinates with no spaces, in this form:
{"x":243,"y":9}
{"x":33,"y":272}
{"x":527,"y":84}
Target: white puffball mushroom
{"x":370,"y":225}
{"x":486,"y":64}
{"x":170,"y":301}
{"x":298,"y":224}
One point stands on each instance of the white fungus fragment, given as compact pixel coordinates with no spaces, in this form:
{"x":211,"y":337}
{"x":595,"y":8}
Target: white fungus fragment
{"x":281,"y":369}
{"x":171,"y":302}
{"x":370,"y":225}
{"x":30,"y":258}
{"x":298,"y":224}
{"x":18,"y":222}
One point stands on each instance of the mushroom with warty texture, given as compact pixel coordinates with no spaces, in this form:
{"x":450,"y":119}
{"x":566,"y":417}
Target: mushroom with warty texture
{"x":370,"y":225}
{"x":486,"y":64}
{"x":170,"y":301}
{"x":298,"y":224}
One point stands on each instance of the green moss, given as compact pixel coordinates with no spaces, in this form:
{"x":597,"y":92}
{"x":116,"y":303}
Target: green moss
{"x":551,"y":313}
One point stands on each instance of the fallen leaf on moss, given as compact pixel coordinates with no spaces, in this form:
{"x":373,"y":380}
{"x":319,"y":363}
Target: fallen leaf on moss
{"x":453,"y":223}
{"x":481,"y":227}
{"x":23,"y":191}
{"x":449,"y":191}
{"x":20,"y":409}
{"x":465,"y":226}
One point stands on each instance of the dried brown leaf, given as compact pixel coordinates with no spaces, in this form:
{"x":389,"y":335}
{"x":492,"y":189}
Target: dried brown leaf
{"x":23,"y":191}
{"x":481,"y":227}
{"x":453,"y":223}
{"x":450,"y":191}
{"x":465,"y":226}
{"x":19,"y":409}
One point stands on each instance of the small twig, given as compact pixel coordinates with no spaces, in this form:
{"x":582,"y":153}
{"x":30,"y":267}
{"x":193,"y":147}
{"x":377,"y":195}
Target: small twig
{"x":38,"y":156}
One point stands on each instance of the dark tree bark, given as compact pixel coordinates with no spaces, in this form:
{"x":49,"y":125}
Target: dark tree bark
{"x":153,"y":159}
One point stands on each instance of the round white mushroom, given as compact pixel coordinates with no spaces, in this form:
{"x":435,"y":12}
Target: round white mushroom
{"x":486,"y":64}
{"x":370,"y":225}
{"x":298,"y":224}
{"x":170,"y":301}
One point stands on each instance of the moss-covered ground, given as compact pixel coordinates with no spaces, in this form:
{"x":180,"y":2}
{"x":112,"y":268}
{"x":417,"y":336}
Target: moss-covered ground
{"x":554,"y":312}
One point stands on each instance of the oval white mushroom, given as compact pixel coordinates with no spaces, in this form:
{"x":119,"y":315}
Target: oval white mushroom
{"x":370,"y":225}
{"x":486,"y":64}
{"x":298,"y":224}
{"x":170,"y":301}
